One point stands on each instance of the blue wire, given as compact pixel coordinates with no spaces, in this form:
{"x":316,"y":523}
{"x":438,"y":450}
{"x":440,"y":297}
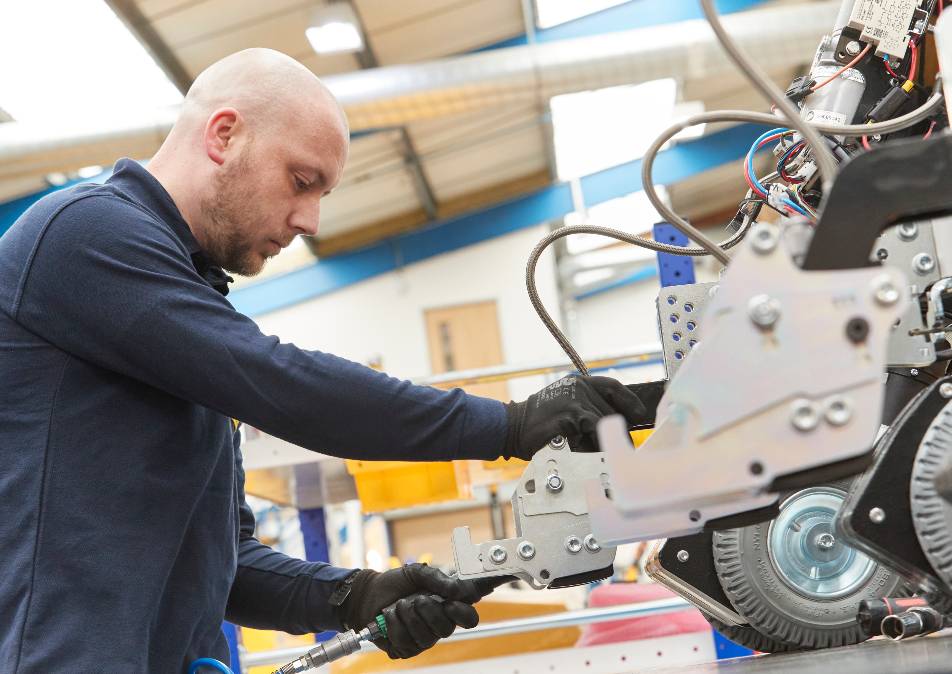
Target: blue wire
{"x":795,"y":206}
{"x":749,"y":163}
{"x":211,"y":663}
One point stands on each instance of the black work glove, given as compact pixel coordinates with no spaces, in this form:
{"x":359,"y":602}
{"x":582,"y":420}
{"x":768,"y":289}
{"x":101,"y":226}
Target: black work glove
{"x":415,"y":618}
{"x":569,"y":407}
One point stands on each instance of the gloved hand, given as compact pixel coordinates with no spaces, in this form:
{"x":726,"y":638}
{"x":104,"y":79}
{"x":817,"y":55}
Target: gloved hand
{"x":416,"y":620}
{"x":569,"y":407}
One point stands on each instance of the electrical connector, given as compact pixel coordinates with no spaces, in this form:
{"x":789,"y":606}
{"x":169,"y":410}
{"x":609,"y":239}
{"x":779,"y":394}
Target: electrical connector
{"x":800,"y":88}
{"x":891,"y":103}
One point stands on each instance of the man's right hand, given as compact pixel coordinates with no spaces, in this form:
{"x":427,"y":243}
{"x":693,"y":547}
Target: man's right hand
{"x":569,"y":407}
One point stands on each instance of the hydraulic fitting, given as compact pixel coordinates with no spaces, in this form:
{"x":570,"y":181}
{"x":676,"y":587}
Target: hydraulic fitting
{"x":917,"y":621}
{"x":873,"y":611}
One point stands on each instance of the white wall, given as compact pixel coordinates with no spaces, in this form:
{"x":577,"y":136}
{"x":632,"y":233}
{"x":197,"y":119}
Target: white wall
{"x":384,"y":316}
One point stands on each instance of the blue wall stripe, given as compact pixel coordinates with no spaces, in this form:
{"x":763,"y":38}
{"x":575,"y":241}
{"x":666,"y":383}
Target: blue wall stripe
{"x":550,"y":203}
{"x":627,"y":16}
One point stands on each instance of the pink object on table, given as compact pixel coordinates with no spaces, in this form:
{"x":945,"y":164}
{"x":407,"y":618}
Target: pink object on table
{"x":630,"y":629}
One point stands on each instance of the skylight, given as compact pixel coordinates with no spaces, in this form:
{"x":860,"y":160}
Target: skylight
{"x":553,"y":12}
{"x":69,"y":59}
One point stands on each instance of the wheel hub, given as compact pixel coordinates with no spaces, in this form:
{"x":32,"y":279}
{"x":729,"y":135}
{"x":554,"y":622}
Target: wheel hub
{"x":807,"y":553}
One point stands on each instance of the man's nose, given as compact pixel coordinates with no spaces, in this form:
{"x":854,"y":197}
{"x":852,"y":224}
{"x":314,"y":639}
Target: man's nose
{"x":306,"y":217}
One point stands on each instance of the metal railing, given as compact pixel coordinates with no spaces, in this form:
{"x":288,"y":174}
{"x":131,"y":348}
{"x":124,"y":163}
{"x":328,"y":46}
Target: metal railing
{"x":566,"y":619}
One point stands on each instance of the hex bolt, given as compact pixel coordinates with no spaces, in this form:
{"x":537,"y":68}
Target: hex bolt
{"x":497,"y":553}
{"x":764,"y":311}
{"x":945,"y":390}
{"x":853,"y":48}
{"x":683,"y":556}
{"x":805,"y":415}
{"x":554,"y":482}
{"x":885,"y":291}
{"x":573,"y":544}
{"x":877,"y":515}
{"x":765,"y":239}
{"x":838,"y":411}
{"x":558,"y":442}
{"x":591,"y":544}
{"x":908,"y":231}
{"x":923,"y":263}
{"x":526,"y":550}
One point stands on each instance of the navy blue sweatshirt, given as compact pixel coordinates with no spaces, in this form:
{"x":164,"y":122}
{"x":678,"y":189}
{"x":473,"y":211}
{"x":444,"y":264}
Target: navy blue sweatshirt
{"x":124,"y":536}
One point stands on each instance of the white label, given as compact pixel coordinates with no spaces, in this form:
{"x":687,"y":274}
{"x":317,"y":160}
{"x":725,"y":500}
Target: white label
{"x":825,"y":116}
{"x":885,"y":23}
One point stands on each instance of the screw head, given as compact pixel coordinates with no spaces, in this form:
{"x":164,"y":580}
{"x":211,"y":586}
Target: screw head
{"x":683,"y":556}
{"x":497,"y":553}
{"x":853,"y":47}
{"x":945,"y":390}
{"x":885,"y":291}
{"x":526,"y":550}
{"x":765,"y":238}
{"x":825,"y":541}
{"x":573,"y":544}
{"x":591,"y":544}
{"x":805,"y":416}
{"x":554,"y":482}
{"x":838,"y":411}
{"x":923,"y":263}
{"x":764,"y":311}
{"x":558,"y":442}
{"x":908,"y":231}
{"x":877,"y":515}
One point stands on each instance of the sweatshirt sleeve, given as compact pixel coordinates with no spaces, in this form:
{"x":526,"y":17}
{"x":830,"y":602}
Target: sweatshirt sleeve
{"x":274,"y":591}
{"x":111,"y":286}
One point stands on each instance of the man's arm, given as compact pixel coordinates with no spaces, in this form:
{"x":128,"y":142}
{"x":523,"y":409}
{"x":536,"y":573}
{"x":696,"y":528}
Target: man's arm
{"x":111,"y":287}
{"x":274,"y":591}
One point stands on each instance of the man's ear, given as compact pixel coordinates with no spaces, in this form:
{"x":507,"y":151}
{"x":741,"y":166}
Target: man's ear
{"x":219,"y":133}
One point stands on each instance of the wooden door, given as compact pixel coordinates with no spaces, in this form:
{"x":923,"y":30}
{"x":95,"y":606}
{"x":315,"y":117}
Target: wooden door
{"x":465,"y":337}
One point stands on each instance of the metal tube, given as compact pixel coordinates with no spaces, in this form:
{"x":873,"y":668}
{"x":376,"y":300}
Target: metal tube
{"x":482,"y":375}
{"x":568,"y":618}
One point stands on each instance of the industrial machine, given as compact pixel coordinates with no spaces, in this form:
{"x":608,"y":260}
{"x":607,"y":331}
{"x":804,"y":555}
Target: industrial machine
{"x":798,"y":481}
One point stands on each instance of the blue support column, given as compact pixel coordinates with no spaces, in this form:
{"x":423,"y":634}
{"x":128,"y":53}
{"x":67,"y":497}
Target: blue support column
{"x":314,"y":532}
{"x":673,"y":270}
{"x":231,"y":636}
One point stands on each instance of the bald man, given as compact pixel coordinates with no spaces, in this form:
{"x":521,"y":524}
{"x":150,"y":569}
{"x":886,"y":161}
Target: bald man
{"x":125,"y":534}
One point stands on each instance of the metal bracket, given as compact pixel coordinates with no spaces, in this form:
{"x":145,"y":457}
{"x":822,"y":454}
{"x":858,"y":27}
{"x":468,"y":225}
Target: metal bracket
{"x":554,"y":544}
{"x":767,"y":321}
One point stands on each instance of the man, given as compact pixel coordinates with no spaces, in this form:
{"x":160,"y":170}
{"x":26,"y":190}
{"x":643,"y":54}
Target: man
{"x":125,"y":532}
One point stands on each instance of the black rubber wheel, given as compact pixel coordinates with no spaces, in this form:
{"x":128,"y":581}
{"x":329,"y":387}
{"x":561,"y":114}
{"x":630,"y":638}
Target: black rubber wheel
{"x":748,"y":637}
{"x":747,"y":571}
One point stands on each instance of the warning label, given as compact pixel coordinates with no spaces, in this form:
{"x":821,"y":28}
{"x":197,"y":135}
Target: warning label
{"x":885,"y":23}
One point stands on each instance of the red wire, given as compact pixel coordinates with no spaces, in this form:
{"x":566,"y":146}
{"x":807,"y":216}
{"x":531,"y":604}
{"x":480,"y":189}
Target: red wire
{"x":859,"y":57}
{"x":913,"y":61}
{"x":866,"y":143}
{"x":891,"y":71}
{"x":929,"y":132}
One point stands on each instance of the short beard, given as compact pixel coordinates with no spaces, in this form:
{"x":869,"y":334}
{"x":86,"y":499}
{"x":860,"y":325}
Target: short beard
{"x":229,"y":218}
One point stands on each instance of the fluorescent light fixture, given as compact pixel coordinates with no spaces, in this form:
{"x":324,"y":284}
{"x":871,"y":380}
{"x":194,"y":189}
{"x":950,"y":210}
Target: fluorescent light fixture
{"x":53,"y":43}
{"x":553,"y":12}
{"x":335,"y":30}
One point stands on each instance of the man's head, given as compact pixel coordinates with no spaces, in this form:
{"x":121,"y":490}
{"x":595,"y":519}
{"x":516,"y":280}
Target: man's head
{"x":260,"y":140}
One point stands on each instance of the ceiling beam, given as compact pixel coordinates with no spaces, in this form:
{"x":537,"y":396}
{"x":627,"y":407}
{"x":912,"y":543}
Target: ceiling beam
{"x":137,"y":24}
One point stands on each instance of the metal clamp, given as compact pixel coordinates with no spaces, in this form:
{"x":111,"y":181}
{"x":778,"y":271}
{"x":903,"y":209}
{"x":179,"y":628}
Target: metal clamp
{"x":554,"y":544}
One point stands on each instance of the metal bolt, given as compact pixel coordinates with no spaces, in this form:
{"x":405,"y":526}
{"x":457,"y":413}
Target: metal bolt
{"x":497,"y":553}
{"x":683,"y":556}
{"x":526,"y":550}
{"x":825,"y":541}
{"x":765,"y":239}
{"x":908,"y":231}
{"x":554,"y":482}
{"x":764,"y":311}
{"x":945,"y":390}
{"x":805,"y":415}
{"x":877,"y":515}
{"x":914,"y":372}
{"x":923,"y":263}
{"x":558,"y":442}
{"x":591,"y":544}
{"x":885,"y":291}
{"x":573,"y":544}
{"x":853,"y":47}
{"x":838,"y":411}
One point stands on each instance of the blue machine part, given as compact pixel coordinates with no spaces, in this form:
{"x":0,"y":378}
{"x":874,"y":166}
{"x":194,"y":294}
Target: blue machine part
{"x":673,"y":270}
